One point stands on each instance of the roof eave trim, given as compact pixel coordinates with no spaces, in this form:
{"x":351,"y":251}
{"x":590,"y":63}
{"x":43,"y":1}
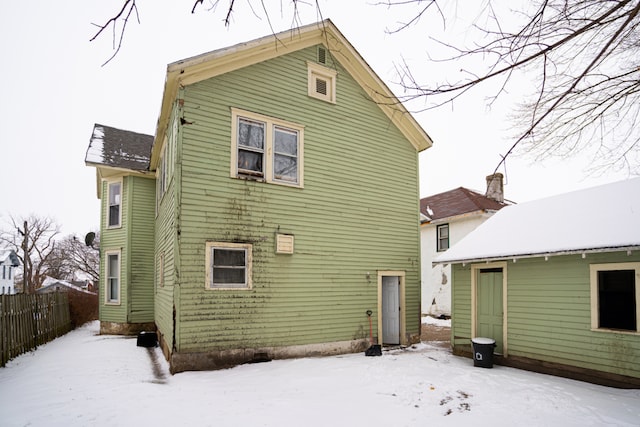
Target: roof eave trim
{"x":539,"y":255}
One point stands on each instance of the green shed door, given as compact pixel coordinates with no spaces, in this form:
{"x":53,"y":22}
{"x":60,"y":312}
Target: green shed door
{"x":489,"y":309}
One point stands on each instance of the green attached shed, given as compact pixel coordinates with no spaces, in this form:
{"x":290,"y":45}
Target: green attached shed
{"x":285,"y":206}
{"x":556,"y":283}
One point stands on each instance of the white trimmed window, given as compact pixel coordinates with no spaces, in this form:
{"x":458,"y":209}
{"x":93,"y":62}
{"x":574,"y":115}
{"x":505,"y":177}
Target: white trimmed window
{"x":442,"y":237}
{"x":266,"y":149}
{"x":112,"y":280}
{"x":615,"y":296}
{"x":228,"y":265}
{"x":114,"y":212}
{"x":321,"y":82}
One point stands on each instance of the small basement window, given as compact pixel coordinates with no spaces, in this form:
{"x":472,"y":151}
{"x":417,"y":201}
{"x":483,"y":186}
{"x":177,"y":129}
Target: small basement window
{"x":228,"y":265}
{"x":615,"y":296}
{"x":322,"y":82}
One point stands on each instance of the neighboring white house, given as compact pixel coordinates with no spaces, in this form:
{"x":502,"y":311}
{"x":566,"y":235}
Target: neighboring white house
{"x":9,"y":262}
{"x":445,"y":219}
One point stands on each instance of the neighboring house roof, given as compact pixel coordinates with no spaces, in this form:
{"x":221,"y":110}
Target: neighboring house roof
{"x":198,"y":68}
{"x":50,"y":283}
{"x":456,"y":202}
{"x":119,"y":148}
{"x":9,"y":257}
{"x":599,"y":219}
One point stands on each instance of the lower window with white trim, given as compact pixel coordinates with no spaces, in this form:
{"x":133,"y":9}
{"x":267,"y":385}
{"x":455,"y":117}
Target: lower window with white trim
{"x":228,"y":265}
{"x":112,"y":280}
{"x":615,"y":296}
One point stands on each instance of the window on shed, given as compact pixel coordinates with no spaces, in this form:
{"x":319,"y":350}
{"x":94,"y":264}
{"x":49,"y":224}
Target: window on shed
{"x":228,"y":265}
{"x":442,"y":237}
{"x":616,"y":297}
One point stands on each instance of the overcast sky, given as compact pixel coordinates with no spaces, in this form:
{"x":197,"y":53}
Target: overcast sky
{"x":55,"y":89}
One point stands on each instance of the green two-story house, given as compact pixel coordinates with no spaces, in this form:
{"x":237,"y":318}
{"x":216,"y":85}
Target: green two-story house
{"x":276,"y":205}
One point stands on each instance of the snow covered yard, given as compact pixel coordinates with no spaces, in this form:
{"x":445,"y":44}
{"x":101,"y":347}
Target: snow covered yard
{"x":84,"y":379}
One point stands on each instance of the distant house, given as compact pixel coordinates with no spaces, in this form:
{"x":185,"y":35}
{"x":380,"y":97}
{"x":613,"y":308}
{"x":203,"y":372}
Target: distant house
{"x":9,"y":262}
{"x":50,"y":284}
{"x":445,"y":219}
{"x":556,"y":282}
{"x":275,"y":207}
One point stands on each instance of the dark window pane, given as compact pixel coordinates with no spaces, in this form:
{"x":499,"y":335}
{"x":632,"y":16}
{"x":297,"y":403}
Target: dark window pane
{"x":250,"y":133}
{"x":114,"y":215}
{"x":617,"y":299}
{"x":250,"y":161}
{"x":286,"y":142}
{"x":229,"y":257}
{"x":286,"y":168}
{"x":228,"y":275}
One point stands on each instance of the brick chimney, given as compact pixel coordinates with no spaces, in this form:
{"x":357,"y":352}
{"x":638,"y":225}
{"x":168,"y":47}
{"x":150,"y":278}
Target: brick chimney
{"x":495,"y":187}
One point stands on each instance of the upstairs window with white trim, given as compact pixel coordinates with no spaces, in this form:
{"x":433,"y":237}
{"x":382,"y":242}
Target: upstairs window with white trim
{"x":228,"y":265}
{"x":615,"y":296}
{"x":321,"y":82}
{"x":114,"y":213}
{"x":266,"y":149}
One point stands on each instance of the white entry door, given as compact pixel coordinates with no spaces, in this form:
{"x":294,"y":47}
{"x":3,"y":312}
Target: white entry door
{"x":390,"y":310}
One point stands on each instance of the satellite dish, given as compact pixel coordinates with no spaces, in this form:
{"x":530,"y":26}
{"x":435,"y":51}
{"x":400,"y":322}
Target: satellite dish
{"x":89,"y":238}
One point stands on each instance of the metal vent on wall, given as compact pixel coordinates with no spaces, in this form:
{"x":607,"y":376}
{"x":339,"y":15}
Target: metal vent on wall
{"x":322,"y":55}
{"x":321,"y":86}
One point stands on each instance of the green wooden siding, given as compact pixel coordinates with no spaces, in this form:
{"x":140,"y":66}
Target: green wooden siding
{"x":357,"y":213}
{"x":112,"y":239}
{"x":135,"y":241}
{"x":165,"y":245}
{"x":141,"y":240}
{"x":549,"y":314}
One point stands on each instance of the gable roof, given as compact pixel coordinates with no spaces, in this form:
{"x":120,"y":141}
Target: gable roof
{"x":119,"y":148}
{"x":599,"y":219}
{"x":198,"y":68}
{"x":112,"y":150}
{"x":456,"y":202}
{"x":50,"y":282}
{"x":10,"y":256}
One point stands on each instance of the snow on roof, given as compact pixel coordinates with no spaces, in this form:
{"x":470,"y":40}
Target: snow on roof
{"x":119,"y":148}
{"x":50,"y":281}
{"x":10,"y":256}
{"x":601,"y":218}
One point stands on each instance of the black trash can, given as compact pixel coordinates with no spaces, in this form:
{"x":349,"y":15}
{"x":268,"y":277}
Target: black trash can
{"x":483,"y":352}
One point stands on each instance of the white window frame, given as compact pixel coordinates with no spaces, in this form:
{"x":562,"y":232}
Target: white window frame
{"x":118,"y":202}
{"x":108,"y":300}
{"x":593,"y":270}
{"x":317,"y":72}
{"x":270,"y":126}
{"x":210,"y":246}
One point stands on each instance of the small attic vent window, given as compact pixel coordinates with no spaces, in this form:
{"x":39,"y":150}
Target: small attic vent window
{"x":322,"y":82}
{"x":322,"y":55}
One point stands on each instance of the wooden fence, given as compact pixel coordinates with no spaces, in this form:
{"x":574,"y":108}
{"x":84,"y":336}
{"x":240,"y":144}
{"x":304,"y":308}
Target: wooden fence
{"x":27,"y":321}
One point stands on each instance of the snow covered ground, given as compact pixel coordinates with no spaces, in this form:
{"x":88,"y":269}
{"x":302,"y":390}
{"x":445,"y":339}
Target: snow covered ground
{"x":84,"y":379}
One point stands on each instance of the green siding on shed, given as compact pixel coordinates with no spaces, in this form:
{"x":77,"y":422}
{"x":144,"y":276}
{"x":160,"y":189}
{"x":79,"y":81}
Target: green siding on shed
{"x":357,"y":213}
{"x":549,"y":314}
